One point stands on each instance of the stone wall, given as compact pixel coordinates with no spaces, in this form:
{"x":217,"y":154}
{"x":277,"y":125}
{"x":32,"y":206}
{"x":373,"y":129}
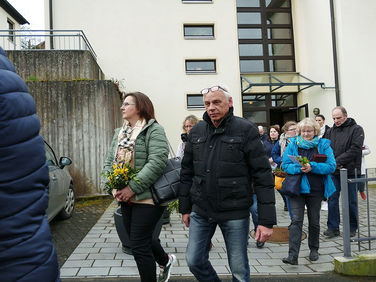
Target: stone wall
{"x":49,"y":65}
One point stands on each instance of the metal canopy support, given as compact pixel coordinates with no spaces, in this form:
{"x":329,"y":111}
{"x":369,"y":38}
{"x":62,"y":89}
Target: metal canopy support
{"x":273,"y":82}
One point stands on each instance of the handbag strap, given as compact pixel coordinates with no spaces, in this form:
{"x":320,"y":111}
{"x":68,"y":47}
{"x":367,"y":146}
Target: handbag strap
{"x":171,"y":149}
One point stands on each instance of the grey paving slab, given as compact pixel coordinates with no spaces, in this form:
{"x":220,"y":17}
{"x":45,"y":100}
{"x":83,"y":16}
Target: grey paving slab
{"x":93,"y":271}
{"x":124,"y":271}
{"x":100,"y":255}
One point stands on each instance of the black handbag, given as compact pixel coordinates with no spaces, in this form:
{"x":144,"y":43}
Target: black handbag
{"x":291,"y":185}
{"x":166,"y":188}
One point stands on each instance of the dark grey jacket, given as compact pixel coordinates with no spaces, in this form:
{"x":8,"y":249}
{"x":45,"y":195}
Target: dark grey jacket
{"x":218,"y":168}
{"x":347,"y":141}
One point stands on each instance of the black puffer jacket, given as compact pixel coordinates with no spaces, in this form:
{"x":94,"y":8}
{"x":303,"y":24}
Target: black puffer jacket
{"x":347,"y":141}
{"x":218,"y":168}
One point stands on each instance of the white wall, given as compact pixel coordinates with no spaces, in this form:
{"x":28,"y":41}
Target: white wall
{"x":142,"y":43}
{"x":5,"y":43}
{"x":313,"y":53}
{"x":355,"y":24}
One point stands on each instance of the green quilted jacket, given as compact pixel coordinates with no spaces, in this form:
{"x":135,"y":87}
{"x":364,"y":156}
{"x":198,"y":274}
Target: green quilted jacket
{"x":150,"y":157}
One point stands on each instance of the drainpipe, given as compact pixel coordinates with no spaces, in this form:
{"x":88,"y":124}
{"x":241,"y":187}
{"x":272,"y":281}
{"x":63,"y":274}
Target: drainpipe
{"x":335,"y":61}
{"x":51,"y":24}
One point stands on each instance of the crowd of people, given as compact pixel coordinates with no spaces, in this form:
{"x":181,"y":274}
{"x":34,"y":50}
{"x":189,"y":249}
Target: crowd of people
{"x":226,"y":176}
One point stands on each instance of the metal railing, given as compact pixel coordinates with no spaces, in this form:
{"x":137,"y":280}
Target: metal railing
{"x":45,"y":40}
{"x":346,"y":213}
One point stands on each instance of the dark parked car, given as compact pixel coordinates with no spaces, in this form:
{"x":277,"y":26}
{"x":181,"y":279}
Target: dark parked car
{"x":61,"y":192}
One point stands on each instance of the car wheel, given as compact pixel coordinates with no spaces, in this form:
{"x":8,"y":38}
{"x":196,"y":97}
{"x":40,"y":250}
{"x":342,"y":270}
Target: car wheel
{"x":68,"y":209}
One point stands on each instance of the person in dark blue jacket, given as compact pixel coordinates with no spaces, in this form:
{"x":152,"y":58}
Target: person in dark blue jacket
{"x":26,"y":249}
{"x":316,"y":183}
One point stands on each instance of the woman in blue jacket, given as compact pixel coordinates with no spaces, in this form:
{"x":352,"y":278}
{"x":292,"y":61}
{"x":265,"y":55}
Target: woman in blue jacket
{"x":316,"y":184}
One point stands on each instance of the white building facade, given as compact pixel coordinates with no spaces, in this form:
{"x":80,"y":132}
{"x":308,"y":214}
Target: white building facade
{"x":10,"y":19}
{"x":276,"y":56}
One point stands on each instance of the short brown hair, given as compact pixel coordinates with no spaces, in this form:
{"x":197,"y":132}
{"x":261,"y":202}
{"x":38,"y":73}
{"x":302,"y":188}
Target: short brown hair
{"x":143,"y":105}
{"x":343,"y":110}
{"x":286,"y":126}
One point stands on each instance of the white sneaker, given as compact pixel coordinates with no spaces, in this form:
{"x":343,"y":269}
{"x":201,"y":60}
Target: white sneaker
{"x":165,"y":271}
{"x":324,"y":205}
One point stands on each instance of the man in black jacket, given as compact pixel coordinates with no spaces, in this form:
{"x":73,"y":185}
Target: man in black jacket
{"x":346,"y":141}
{"x":222,"y":157}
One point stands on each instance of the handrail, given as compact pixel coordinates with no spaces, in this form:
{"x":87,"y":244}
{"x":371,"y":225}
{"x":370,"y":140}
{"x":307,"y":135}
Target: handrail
{"x":20,"y":40}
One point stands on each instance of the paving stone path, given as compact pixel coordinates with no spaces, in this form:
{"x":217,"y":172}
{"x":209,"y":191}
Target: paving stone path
{"x":100,"y":255}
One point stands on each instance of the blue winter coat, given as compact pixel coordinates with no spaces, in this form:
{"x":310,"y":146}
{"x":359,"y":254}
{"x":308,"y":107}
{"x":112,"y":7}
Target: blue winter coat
{"x":26,"y":249}
{"x":326,"y":168}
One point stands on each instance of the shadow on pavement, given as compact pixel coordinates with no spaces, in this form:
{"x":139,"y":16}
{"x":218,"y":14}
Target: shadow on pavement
{"x":330,"y":276}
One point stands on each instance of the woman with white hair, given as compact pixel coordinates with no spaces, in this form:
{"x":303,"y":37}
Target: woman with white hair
{"x":315,"y":184}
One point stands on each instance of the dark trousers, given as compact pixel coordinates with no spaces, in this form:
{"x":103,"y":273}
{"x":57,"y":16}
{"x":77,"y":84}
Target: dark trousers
{"x":297,"y":210}
{"x":333,"y":205}
{"x":140,"y":221}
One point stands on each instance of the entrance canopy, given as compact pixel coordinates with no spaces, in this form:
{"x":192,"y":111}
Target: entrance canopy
{"x":275,"y":82}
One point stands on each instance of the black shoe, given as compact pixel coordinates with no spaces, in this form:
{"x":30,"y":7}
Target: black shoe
{"x":290,"y":260}
{"x":330,"y":233}
{"x":260,"y":244}
{"x":352,"y":233}
{"x":313,"y":255}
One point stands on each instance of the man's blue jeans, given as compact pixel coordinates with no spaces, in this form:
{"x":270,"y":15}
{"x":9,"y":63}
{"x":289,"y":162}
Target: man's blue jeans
{"x":254,"y":212}
{"x":333,"y":206}
{"x":235,"y":234}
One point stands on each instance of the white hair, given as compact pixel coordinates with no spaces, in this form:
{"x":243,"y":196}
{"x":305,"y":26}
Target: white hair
{"x":225,"y":91}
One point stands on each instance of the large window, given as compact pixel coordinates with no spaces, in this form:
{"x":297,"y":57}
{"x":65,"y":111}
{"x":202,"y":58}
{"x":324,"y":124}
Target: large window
{"x":200,"y":66}
{"x":265,"y":36}
{"x":198,"y":31}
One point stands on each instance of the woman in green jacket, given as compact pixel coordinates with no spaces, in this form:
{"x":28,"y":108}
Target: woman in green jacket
{"x":141,"y":142}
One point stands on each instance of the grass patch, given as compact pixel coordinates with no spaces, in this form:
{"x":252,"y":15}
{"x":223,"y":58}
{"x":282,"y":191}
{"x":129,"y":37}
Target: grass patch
{"x":372,"y":186}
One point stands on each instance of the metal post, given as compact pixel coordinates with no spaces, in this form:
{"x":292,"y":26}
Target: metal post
{"x":345,"y":213}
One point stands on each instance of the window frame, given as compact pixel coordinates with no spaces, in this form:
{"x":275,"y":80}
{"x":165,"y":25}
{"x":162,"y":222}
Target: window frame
{"x":193,"y":107}
{"x":199,"y":36}
{"x":197,"y":1}
{"x":11,"y":30}
{"x":264,"y":40}
{"x":214,"y":71}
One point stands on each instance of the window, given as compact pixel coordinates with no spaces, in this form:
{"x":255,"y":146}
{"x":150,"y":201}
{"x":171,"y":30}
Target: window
{"x":195,"y":101}
{"x":11,"y":30}
{"x":198,"y":31}
{"x":200,"y":66}
{"x":249,"y":33}
{"x":265,"y":36}
{"x":248,"y":3}
{"x":197,"y":1}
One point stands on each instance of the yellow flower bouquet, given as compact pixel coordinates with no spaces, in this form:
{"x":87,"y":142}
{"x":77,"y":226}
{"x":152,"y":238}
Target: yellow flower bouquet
{"x":119,"y":176}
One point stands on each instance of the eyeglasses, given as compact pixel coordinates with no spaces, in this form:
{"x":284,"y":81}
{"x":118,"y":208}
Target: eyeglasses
{"x":212,"y":89}
{"x":125,"y":104}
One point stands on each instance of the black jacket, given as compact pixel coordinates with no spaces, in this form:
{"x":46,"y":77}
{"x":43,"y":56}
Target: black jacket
{"x":218,"y":168}
{"x":346,"y":142}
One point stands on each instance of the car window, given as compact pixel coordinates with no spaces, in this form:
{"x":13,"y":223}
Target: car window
{"x":50,"y":156}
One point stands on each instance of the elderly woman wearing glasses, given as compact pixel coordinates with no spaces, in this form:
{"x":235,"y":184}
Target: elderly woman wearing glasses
{"x":188,"y":123}
{"x":316,"y":183}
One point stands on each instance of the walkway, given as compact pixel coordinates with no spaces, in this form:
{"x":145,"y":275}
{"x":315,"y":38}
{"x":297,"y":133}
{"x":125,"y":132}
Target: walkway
{"x":100,"y":255}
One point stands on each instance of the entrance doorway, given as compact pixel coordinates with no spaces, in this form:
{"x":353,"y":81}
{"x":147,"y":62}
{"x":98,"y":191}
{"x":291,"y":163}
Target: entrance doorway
{"x":269,"y":108}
